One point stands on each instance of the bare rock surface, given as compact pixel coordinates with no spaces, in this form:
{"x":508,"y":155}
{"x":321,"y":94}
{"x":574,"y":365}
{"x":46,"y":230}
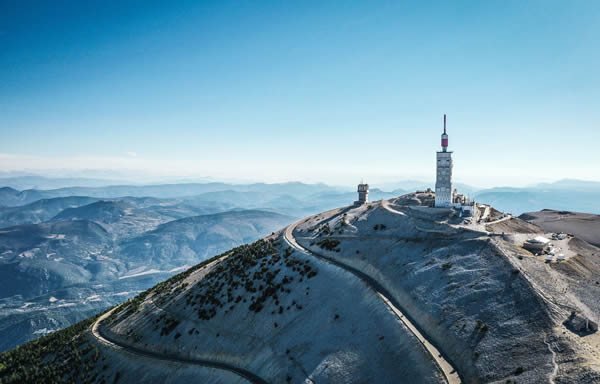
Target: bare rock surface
{"x":281,"y":315}
{"x":493,"y":308}
{"x":497,"y":312}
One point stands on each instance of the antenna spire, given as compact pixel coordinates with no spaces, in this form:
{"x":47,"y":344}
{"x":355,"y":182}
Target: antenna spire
{"x":444,"y":123}
{"x":444,"y":137}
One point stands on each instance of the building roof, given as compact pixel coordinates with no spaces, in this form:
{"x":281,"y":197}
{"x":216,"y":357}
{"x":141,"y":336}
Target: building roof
{"x":538,"y":240}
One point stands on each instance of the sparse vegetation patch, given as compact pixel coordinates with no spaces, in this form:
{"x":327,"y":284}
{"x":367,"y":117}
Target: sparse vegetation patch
{"x":329,"y":244}
{"x":254,"y":275}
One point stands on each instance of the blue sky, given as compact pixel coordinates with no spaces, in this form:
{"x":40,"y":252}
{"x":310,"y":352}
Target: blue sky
{"x":312,"y":91}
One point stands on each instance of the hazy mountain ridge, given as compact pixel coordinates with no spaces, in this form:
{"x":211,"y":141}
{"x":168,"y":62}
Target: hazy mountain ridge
{"x":40,"y":210}
{"x":121,"y":218}
{"x":38,"y":258}
{"x":55,"y":209}
{"x":184,"y":241}
{"x":581,"y":185}
{"x":12,"y":197}
{"x":24,"y":182}
{"x":518,"y":201}
{"x":296,"y":199}
{"x":299,"y":199}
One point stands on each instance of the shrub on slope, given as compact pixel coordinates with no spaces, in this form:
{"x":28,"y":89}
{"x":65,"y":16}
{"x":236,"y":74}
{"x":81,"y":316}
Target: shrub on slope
{"x":63,"y":356}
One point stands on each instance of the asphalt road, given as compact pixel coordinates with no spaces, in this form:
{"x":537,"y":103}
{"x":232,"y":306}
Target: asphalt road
{"x":116,"y":344}
{"x":447,"y":369}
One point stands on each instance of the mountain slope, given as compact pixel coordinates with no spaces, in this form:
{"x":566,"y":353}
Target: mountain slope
{"x":10,"y":197}
{"x":284,"y":298}
{"x":147,"y":208}
{"x":494,"y":311}
{"x":35,"y":259}
{"x":120,"y":218}
{"x":188,"y":240}
{"x":484,"y":301}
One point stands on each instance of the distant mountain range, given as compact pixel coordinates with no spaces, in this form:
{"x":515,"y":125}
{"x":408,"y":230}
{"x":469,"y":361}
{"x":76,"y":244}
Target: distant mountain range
{"x":184,"y":241}
{"x":299,"y":199}
{"x":40,"y":210}
{"x":295,"y":199}
{"x":87,"y":258}
{"x":40,"y":182}
{"x":38,"y":258}
{"x":580,"y":185}
{"x":571,"y":195}
{"x":567,"y":194}
{"x":12,"y":197}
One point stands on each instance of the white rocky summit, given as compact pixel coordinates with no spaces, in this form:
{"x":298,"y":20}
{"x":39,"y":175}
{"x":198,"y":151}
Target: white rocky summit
{"x":374,"y":292}
{"x":377,"y":292}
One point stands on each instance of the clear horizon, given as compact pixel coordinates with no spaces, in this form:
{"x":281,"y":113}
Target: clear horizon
{"x":112,"y":178}
{"x":309,"y":92}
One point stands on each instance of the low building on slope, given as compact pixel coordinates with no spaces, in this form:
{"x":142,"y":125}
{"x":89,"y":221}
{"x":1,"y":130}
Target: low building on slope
{"x":537,"y":245}
{"x":363,"y":194}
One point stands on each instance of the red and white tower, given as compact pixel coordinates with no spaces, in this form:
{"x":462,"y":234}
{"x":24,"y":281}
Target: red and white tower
{"x":444,"y":137}
{"x":443,"y":183}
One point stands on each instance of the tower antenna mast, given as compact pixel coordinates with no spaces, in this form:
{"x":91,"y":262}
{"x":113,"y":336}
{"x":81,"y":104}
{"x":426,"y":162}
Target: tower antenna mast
{"x":444,"y":123}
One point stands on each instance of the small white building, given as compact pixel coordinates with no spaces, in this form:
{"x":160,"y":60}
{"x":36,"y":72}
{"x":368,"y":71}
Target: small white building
{"x":363,"y":194}
{"x":537,"y":244}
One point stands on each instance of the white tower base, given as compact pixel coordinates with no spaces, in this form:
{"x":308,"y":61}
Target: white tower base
{"x":443,"y":184}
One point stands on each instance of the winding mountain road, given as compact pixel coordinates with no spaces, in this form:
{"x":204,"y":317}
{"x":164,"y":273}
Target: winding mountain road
{"x":118,"y":345}
{"x":447,"y":369}
{"x":450,"y":374}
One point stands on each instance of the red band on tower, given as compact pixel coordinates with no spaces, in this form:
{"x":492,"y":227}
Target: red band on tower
{"x":444,"y":136}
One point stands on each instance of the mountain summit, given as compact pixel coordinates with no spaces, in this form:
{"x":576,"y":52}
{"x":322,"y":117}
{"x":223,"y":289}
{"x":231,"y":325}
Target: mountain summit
{"x":381,"y":292}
